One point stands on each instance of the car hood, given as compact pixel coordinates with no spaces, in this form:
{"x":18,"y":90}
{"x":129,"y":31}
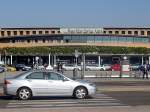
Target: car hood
{"x":83,"y":81}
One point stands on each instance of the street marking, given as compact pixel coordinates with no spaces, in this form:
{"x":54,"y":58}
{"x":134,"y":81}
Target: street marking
{"x":98,"y":100}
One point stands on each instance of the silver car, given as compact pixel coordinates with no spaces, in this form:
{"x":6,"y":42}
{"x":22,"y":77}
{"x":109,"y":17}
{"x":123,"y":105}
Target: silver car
{"x":46,"y":83}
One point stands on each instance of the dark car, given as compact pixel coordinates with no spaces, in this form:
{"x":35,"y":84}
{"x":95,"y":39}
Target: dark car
{"x":22,"y":67}
{"x":2,"y":69}
{"x":135,"y":67}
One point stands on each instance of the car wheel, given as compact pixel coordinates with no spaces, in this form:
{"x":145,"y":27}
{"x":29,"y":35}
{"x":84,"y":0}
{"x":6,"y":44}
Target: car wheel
{"x":24,"y":93}
{"x":80,"y":93}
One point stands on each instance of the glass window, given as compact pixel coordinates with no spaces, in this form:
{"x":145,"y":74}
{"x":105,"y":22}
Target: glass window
{"x":129,"y":39}
{"x":148,"y":33}
{"x":40,"y":32}
{"x":144,"y":40}
{"x":106,"y":39}
{"x":123,"y":32}
{"x":122,"y":39}
{"x":27,"y":32}
{"x":110,"y":32}
{"x":36,"y":75}
{"x":15,"y":32}
{"x":2,"y":33}
{"x":135,"y":32}
{"x":137,"y":39}
{"x":33,"y":32}
{"x":114,"y":39}
{"x":129,"y":32}
{"x":142,"y":32}
{"x":21,"y":32}
{"x":54,"y":76}
{"x":8,"y":33}
{"x":90,"y":38}
{"x":46,"y":32}
{"x":53,"y":32}
{"x":99,"y":38}
{"x":116,"y":32}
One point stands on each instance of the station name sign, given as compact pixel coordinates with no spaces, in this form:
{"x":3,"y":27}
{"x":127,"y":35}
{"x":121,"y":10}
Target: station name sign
{"x":81,"y":30}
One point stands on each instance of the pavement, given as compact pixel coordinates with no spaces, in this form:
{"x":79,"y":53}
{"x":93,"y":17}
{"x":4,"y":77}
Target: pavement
{"x":81,"y":109}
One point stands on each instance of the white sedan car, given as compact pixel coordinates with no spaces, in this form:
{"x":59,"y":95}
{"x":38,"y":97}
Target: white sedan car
{"x":95,"y":67}
{"x":46,"y":83}
{"x":71,"y":67}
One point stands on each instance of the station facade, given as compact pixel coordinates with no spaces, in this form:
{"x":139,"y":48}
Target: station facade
{"x":54,"y":36}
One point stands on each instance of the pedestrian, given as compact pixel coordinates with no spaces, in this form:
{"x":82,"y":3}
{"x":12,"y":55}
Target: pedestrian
{"x":145,"y":69}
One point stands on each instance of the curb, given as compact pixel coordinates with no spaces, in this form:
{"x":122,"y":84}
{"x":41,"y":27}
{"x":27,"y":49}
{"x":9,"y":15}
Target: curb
{"x":123,"y":89}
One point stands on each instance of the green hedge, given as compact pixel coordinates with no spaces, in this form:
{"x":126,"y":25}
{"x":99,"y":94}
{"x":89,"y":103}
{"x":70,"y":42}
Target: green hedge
{"x":71,"y":49}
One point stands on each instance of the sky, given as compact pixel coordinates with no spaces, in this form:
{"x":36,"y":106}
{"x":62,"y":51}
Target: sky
{"x":74,"y":13}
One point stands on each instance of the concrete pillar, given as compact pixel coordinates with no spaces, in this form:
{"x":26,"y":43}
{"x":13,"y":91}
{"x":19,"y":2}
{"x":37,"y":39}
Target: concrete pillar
{"x":83,"y":66}
{"x":54,"y":60}
{"x":11,"y":60}
{"x":49,"y":60}
{"x":142,"y":60}
{"x":0,"y":57}
{"x":99,"y":60}
{"x":149,"y":60}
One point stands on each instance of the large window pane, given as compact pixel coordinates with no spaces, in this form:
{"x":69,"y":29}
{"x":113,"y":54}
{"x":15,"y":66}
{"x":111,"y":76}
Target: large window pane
{"x":99,"y":38}
{"x":122,"y":39}
{"x":129,"y":39}
{"x":106,"y":39}
{"x":114,"y":39}
{"x":90,"y":38}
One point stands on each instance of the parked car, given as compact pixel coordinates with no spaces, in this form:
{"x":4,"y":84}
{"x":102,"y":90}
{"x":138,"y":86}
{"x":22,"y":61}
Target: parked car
{"x":40,"y":67}
{"x":107,"y":66}
{"x":22,"y":67}
{"x":70,"y":67}
{"x":11,"y":68}
{"x":46,"y":83}
{"x":49,"y":67}
{"x":2,"y":69}
{"x":135,"y":67}
{"x":95,"y":67}
{"x":116,"y":67}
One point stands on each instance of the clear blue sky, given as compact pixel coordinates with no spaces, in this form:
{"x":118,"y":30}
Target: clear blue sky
{"x":74,"y":13}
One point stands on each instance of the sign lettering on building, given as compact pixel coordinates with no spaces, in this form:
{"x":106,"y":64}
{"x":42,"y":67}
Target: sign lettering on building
{"x":81,"y":30}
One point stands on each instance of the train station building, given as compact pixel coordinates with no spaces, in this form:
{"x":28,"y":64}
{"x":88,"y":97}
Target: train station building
{"x":55,"y":36}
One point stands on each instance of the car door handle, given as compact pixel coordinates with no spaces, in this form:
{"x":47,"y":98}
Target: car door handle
{"x":29,"y":80}
{"x":50,"y":81}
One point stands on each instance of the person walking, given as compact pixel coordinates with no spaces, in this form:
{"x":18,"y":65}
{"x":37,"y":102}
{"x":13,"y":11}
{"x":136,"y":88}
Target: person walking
{"x":145,"y":69}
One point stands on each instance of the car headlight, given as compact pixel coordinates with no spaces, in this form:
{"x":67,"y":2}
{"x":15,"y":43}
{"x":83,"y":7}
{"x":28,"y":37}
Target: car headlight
{"x":91,"y":84}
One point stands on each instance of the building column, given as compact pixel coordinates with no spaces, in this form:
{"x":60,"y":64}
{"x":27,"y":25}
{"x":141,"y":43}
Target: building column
{"x":148,"y":59}
{"x":99,"y":60}
{"x":0,"y":57}
{"x":49,"y":60}
{"x":54,"y":60}
{"x":11,"y":60}
{"x":142,"y":60}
